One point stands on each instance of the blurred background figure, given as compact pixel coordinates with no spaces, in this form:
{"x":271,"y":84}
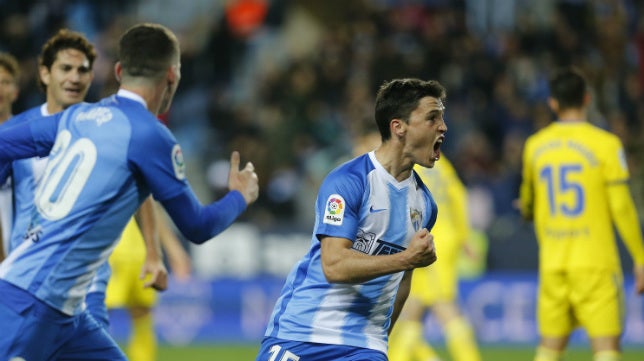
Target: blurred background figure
{"x":575,"y":189}
{"x":435,"y":288}
{"x":125,"y":288}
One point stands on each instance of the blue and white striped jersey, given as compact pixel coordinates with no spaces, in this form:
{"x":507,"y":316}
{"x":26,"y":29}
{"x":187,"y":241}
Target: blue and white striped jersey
{"x":359,"y":201}
{"x":106,"y":159}
{"x":25,"y":174}
{"x":6,"y":212}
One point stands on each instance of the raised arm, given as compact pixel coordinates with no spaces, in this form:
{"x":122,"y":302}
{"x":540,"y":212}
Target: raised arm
{"x":200,"y":223}
{"x":27,"y":139}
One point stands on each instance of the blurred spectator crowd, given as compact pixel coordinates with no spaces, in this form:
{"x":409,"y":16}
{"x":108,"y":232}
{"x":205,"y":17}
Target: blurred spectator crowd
{"x":291,"y":85}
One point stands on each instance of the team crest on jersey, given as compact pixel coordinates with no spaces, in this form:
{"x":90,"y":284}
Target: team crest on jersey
{"x":334,"y":210}
{"x":178,"y":163}
{"x":100,"y":115}
{"x":416,"y":218}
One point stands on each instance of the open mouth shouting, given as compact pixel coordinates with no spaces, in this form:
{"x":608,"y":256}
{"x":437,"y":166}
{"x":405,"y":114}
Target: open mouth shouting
{"x":437,"y":146}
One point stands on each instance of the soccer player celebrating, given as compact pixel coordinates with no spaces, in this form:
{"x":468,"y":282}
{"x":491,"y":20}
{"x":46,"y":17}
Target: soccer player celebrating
{"x":106,"y":158}
{"x":575,"y":189}
{"x":373,"y":216}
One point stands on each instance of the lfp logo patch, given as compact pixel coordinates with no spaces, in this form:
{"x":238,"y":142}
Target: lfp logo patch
{"x":178,"y":163}
{"x":334,"y":211}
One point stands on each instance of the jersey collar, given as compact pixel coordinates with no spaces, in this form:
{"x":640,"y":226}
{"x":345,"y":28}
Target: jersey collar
{"x":131,"y":95}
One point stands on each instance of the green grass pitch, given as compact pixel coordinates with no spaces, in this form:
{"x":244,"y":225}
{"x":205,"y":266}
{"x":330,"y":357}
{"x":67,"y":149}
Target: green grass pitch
{"x":248,"y":353}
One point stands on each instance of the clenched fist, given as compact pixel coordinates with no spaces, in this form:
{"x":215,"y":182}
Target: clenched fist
{"x":421,"y":251}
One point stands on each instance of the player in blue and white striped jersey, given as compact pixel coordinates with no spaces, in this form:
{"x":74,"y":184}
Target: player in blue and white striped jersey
{"x":105,"y":159}
{"x":9,"y":76}
{"x":373,"y":216}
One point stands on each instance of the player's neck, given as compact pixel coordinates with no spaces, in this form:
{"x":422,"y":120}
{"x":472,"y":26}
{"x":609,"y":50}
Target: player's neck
{"x":572,"y":116}
{"x":392,"y":161}
{"x":5,"y":115}
{"x":53,"y":108}
{"x":149,"y":94}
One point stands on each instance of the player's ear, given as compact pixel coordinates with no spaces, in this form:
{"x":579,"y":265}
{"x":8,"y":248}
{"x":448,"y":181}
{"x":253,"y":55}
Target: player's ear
{"x":587,"y":98}
{"x":397,"y":127}
{"x":118,"y":70}
{"x":553,"y":104}
{"x":172,"y":75}
{"x":44,"y":74}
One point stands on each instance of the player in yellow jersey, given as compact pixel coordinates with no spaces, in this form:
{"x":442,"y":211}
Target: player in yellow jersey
{"x":575,"y":189}
{"x":125,"y":288}
{"x":435,"y":288}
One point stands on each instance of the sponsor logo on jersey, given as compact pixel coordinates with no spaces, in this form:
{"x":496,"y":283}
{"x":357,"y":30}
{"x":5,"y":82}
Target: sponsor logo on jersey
{"x":364,"y":241}
{"x":334,"y":210}
{"x":178,"y":163}
{"x":385,"y":248}
{"x":33,"y":234}
{"x":100,"y":115}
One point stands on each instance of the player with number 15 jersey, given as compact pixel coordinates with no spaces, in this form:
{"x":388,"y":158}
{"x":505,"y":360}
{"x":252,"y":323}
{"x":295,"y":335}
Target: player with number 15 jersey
{"x":567,"y":168}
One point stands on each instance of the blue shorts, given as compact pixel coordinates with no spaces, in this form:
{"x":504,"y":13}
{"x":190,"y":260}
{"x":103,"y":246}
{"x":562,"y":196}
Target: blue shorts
{"x":95,"y":302}
{"x":33,"y":330}
{"x":284,"y":350}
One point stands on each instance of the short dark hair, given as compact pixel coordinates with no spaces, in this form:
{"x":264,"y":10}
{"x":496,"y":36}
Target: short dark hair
{"x":10,"y":64}
{"x":147,"y":50}
{"x":397,"y":98}
{"x":568,"y":86}
{"x":62,"y":40}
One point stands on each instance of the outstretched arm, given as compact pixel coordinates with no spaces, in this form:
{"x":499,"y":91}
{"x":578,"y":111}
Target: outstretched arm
{"x":200,"y":223}
{"x":27,"y":139}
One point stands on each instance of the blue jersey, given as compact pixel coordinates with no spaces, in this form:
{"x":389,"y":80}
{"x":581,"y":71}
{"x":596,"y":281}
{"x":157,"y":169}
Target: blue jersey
{"x":362,"y":202}
{"x":6,"y":212}
{"x":25,"y":174}
{"x":106,"y":159}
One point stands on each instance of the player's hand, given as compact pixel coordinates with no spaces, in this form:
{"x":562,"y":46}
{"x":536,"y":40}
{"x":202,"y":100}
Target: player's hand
{"x":156,"y":273}
{"x":421,"y":249}
{"x":245,"y":180}
{"x":638,"y":271}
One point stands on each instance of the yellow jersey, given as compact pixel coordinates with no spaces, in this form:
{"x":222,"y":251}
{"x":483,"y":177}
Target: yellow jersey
{"x":567,"y":170}
{"x":450,"y":195}
{"x":131,"y":246}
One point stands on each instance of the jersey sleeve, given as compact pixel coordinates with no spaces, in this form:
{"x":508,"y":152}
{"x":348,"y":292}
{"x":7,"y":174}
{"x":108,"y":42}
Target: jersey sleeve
{"x":34,"y":137}
{"x":338,"y":206}
{"x":157,"y":156}
{"x":615,"y":166}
